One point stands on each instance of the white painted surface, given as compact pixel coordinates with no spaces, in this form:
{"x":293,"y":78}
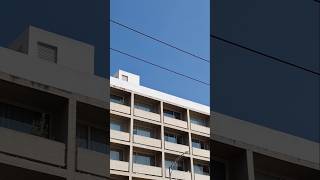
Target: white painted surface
{"x":120,"y":108}
{"x":119,"y":135}
{"x":132,"y":78}
{"x":175,"y":122}
{"x":160,"y":95}
{"x":176,"y":147}
{"x":201,"y":177}
{"x":147,"y":141}
{"x":201,"y":152}
{"x":149,"y":170}
{"x":119,"y":165}
{"x":145,"y":114}
{"x":176,"y":174}
{"x":199,"y":128}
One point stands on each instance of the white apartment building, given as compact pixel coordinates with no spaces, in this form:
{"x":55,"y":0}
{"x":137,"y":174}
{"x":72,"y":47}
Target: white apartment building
{"x":149,"y":129}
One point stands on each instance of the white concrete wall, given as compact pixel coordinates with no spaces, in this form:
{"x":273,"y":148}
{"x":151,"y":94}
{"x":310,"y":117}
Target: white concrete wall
{"x":146,"y":114}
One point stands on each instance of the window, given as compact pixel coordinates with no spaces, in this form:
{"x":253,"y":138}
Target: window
{"x":196,"y":143}
{"x":144,"y":159}
{"x":144,"y":107}
{"x":98,"y":140}
{"x":92,"y":138}
{"x":174,"y":138}
{"x":82,"y":136}
{"x":124,"y":78}
{"x":47,"y":52}
{"x":117,"y":99}
{"x":179,"y":166}
{"x":116,"y":154}
{"x":24,"y":120}
{"x":198,"y":121}
{"x":201,"y":169}
{"x":172,"y":114}
{"x":114,"y":125}
{"x":143,"y":131}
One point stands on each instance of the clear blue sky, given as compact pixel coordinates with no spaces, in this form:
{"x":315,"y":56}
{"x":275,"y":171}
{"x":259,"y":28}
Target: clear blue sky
{"x":184,"y":23}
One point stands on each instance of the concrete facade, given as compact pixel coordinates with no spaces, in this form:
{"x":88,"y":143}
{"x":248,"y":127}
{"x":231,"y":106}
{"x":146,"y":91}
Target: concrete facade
{"x":144,"y":132}
{"x":42,"y":105}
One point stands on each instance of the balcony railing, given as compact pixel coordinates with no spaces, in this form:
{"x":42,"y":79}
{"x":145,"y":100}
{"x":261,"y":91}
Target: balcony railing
{"x":119,"y":108}
{"x":201,"y":152}
{"x":175,"y":122}
{"x":199,"y":128}
{"x":147,"y":141}
{"x":92,"y":162}
{"x":32,"y":147}
{"x":119,"y":135}
{"x":148,"y":115}
{"x":119,"y":165}
{"x":176,"y":174}
{"x":201,"y":177}
{"x":176,"y":147}
{"x":149,"y":170}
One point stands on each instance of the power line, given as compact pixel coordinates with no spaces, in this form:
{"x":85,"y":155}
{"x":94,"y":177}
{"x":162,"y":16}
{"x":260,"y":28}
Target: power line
{"x":160,"y":41}
{"x":158,"y":66}
{"x":266,"y":55}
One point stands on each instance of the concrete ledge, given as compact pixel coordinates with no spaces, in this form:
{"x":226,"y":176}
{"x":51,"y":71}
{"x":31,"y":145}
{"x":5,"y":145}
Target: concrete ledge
{"x":176,"y":147}
{"x":147,"y":141}
{"x":149,"y":170}
{"x":175,"y":122}
{"x":147,"y":115}
{"x":201,"y":129}
{"x":265,"y":138}
{"x":201,"y":152}
{"x":119,"y":165}
{"x":176,"y":174}
{"x":32,"y":147}
{"x":92,"y":162}
{"x":119,"y":135}
{"x":201,"y":177}
{"x":120,"y":108}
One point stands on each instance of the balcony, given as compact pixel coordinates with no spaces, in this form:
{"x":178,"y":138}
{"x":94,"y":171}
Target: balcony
{"x":147,"y":115}
{"x":119,"y":135}
{"x":176,"y":147}
{"x":120,"y":108}
{"x":32,"y":147}
{"x":148,"y":170}
{"x":147,"y":141}
{"x":92,"y":162}
{"x":201,"y":152}
{"x":199,"y":128}
{"x":176,"y":174}
{"x":119,"y":165}
{"x":175,"y":122}
{"x":201,"y":177}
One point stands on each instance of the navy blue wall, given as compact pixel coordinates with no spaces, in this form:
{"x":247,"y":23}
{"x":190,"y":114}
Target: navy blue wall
{"x":256,"y":88}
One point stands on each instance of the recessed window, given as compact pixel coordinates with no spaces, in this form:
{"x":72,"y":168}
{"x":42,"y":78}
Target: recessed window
{"x":91,"y":138}
{"x":196,"y":143}
{"x":47,"y":52}
{"x":201,"y":169}
{"x":144,"y":159}
{"x":143,"y":131}
{"x":173,"y":138}
{"x":178,"y":165}
{"x":172,"y":114}
{"x":116,"y":154}
{"x":143,"y":106}
{"x":24,"y":120}
{"x":117,"y":126}
{"x":198,"y":121}
{"x":117,"y":99}
{"x":124,"y":78}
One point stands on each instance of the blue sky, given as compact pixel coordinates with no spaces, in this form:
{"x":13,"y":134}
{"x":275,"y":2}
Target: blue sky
{"x":184,"y":23}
